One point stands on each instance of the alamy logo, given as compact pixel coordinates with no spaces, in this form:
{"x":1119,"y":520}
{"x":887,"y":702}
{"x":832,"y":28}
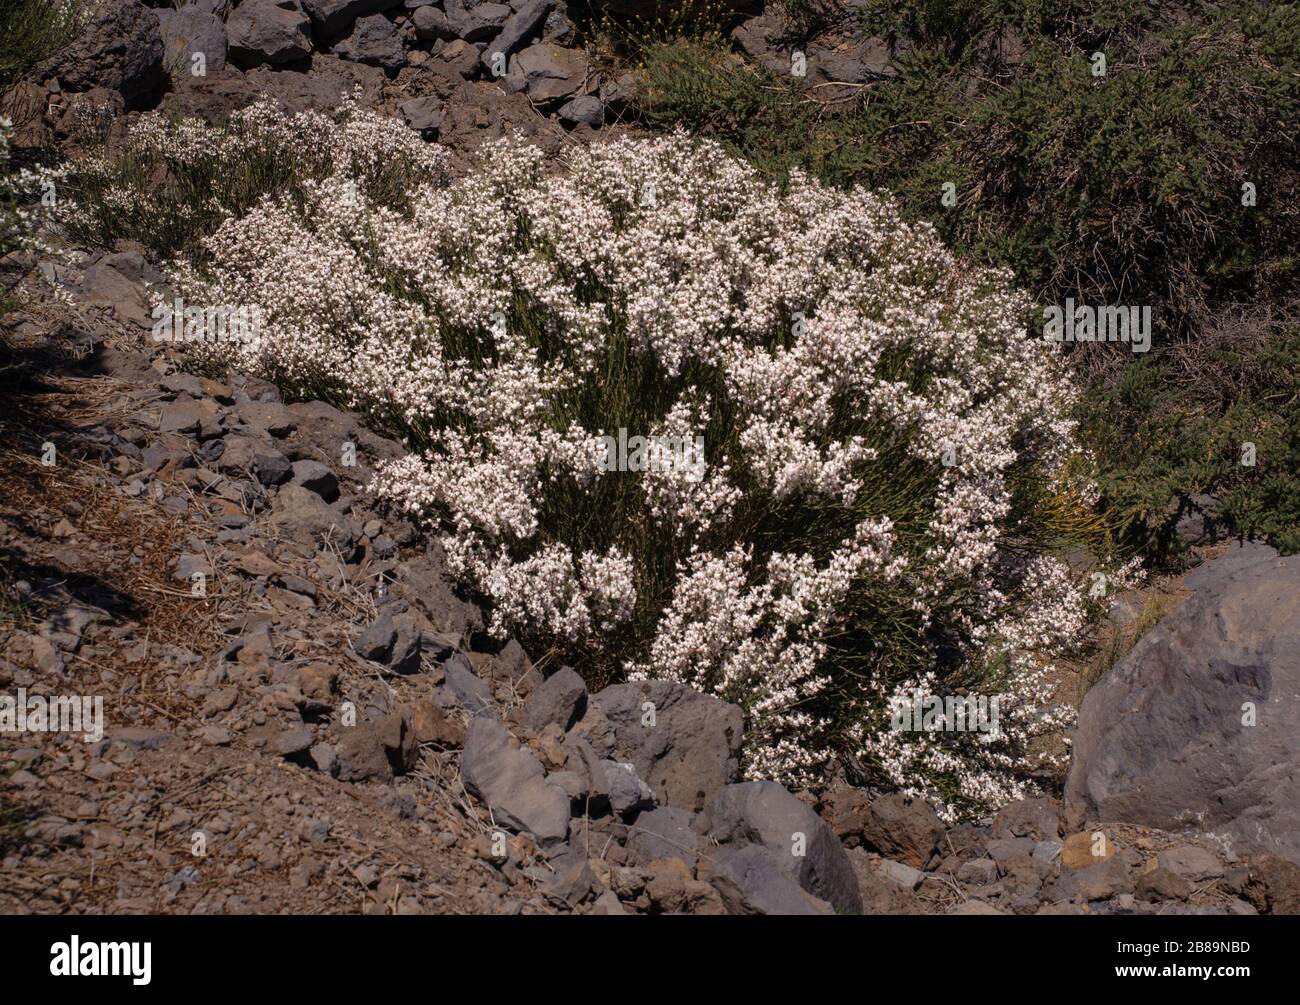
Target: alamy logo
{"x":63,"y":713}
{"x":930,"y":713}
{"x":175,"y":322}
{"x":103,"y":959}
{"x":1098,"y":324}
{"x":655,"y":453}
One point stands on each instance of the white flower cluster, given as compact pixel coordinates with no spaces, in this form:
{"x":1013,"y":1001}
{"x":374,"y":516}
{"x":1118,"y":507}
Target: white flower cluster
{"x":26,"y":195}
{"x":870,"y":406}
{"x":203,"y":169}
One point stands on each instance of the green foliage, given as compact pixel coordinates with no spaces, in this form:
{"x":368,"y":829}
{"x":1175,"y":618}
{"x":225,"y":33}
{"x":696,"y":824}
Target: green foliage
{"x":1180,"y":419}
{"x":32,"y":30}
{"x":174,"y":202}
{"x":1124,"y":188}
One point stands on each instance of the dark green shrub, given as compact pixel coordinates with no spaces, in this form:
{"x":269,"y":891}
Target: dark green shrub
{"x":30,"y":31}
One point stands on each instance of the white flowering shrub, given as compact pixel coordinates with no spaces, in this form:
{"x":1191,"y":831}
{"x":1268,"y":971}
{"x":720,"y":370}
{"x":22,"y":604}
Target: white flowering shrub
{"x":22,"y":190}
{"x":176,"y":180}
{"x":887,"y":455}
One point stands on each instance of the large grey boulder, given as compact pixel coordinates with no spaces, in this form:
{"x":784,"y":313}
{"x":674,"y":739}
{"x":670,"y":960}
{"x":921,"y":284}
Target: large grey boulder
{"x":512,"y":784}
{"x":1198,"y":728}
{"x":121,"y":49}
{"x":686,"y":745}
{"x":268,"y":31}
{"x":1236,"y":560}
{"x":190,"y":30}
{"x":798,"y":840}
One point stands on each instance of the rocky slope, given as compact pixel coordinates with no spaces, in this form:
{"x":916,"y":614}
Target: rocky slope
{"x":456,"y":71}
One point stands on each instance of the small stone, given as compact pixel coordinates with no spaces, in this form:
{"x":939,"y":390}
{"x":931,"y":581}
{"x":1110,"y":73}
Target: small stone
{"x":272,"y":467}
{"x":572,"y":880}
{"x":323,"y":756}
{"x":199,"y":418}
{"x":975,"y":907}
{"x":293,"y":741}
{"x":608,"y":904}
{"x":1085,"y":849}
{"x":1107,"y":878}
{"x":317,"y":477}
{"x":360,"y":755}
{"x":391,"y":640}
{"x":560,"y":699}
{"x":1161,"y":884}
{"x":422,"y":114}
{"x":1047,"y":851}
{"x":903,"y":829}
{"x":1191,"y":862}
{"x":512,"y":783}
{"x":431,"y":23}
{"x":374,"y":40}
{"x":256,"y":563}
{"x":585,"y":109}
{"x":899,"y":874}
{"x":221,"y":700}
{"x":978,"y":872}
{"x":1005,"y":849}
{"x":477,"y":23}
{"x":628,"y":794}
{"x":383,"y":547}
